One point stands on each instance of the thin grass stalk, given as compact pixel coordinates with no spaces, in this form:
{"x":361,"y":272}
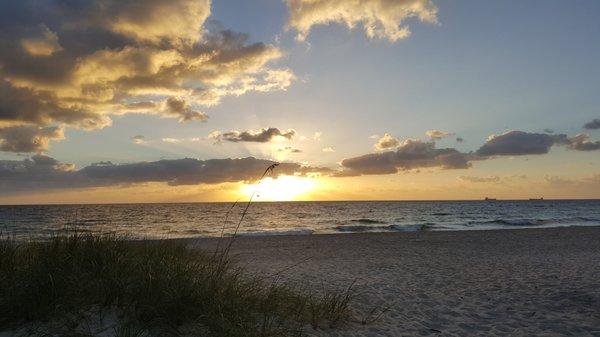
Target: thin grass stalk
{"x":269,"y":169}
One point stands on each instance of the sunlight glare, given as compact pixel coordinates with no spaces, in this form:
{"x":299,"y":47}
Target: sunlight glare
{"x":283,"y":188}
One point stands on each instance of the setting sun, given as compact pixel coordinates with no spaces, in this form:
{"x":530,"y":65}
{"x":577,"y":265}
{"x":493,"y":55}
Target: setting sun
{"x":283,"y":188}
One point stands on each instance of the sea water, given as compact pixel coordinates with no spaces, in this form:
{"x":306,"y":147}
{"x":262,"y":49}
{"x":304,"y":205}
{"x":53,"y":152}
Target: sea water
{"x":292,"y":218}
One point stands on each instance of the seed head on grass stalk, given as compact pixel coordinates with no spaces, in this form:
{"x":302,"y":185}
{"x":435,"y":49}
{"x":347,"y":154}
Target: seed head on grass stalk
{"x":268,"y":170}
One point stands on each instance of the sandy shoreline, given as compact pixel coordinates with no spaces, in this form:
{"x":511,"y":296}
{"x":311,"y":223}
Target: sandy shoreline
{"x":525,"y":282}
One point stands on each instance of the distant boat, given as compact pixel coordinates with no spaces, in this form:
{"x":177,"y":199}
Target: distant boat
{"x":536,"y":198}
{"x":489,"y":199}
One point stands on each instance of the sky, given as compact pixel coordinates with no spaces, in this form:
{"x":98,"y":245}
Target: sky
{"x":191,"y":100}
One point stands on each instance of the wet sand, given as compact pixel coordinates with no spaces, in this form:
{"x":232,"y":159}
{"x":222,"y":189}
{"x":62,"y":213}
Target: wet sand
{"x":525,"y":282}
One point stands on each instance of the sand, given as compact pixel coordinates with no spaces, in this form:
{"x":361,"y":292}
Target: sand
{"x":526,"y":282}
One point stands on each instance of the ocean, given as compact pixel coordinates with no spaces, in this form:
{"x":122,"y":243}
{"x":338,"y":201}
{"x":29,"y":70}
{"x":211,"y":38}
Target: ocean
{"x":292,"y":218}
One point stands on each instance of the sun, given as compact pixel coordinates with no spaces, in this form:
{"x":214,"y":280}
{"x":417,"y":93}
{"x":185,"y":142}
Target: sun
{"x":283,"y":188}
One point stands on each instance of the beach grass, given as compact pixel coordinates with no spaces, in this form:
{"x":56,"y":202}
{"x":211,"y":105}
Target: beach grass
{"x":73,"y":285}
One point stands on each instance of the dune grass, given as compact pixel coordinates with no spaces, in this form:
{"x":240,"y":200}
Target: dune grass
{"x":151,"y":288}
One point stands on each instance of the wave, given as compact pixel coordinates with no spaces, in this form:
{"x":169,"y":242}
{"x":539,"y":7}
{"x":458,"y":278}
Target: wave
{"x":388,"y":228}
{"x":481,"y":224}
{"x":369,"y":221}
{"x":536,"y":222}
{"x":303,"y":231}
{"x":518,"y":222}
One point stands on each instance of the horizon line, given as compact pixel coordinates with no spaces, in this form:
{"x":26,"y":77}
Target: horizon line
{"x":297,"y":201}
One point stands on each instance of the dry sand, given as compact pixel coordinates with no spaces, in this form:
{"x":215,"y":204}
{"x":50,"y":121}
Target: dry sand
{"x":527,"y":282}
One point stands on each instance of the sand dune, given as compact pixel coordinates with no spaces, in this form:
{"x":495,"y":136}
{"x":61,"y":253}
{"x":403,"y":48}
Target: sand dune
{"x":541,"y":282}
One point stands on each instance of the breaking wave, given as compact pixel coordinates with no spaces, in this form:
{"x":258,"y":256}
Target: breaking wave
{"x":368,"y":221}
{"x":388,"y":228}
{"x":538,"y":222}
{"x":277,"y":233}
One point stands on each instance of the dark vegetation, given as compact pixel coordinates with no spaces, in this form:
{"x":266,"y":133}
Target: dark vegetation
{"x":153,"y":288}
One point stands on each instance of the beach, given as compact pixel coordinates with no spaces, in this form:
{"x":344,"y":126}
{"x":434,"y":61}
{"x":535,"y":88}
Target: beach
{"x":521,"y":282}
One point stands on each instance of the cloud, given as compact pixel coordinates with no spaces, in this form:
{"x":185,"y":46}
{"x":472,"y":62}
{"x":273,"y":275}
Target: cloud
{"x":259,"y":136}
{"x":582,"y":142}
{"x":328,"y":149}
{"x":289,"y":149}
{"x":155,"y":21}
{"x":171,"y":140}
{"x":43,"y":43}
{"x":179,"y":107}
{"x":459,"y":139}
{"x":415,"y":154}
{"x":518,"y":143}
{"x":475,"y":179}
{"x":592,"y":125}
{"x":139,"y":139}
{"x":382,"y":19}
{"x":493,"y":179}
{"x":437,"y":134}
{"x":386,"y":142}
{"x":411,"y":154}
{"x":28,"y":106}
{"x":28,"y":138}
{"x":42,"y":172}
{"x":317,"y":135}
{"x":78,"y":63}
{"x":590,"y":181}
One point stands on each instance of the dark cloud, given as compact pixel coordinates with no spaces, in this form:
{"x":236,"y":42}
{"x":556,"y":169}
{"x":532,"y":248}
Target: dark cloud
{"x":592,"y":125}
{"x":411,"y":154}
{"x":517,"y":143}
{"x":459,"y":139}
{"x":28,"y":138}
{"x":416,"y":154}
{"x":260,"y":136}
{"x":42,"y":172}
{"x":39,"y":172}
{"x":179,"y":107}
{"x":26,"y":105}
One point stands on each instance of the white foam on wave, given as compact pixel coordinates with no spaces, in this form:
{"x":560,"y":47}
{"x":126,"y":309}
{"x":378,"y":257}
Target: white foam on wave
{"x":303,"y":231}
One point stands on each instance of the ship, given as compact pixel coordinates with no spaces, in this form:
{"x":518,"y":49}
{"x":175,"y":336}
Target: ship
{"x":489,"y":199}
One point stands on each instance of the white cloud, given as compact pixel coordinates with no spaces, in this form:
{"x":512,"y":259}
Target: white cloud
{"x":437,"y":134}
{"x":382,"y":19}
{"x":386,"y":142}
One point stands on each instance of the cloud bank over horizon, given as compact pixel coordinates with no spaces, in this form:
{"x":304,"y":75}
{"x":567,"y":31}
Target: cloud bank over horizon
{"x":414,"y":154}
{"x":41,"y":172}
